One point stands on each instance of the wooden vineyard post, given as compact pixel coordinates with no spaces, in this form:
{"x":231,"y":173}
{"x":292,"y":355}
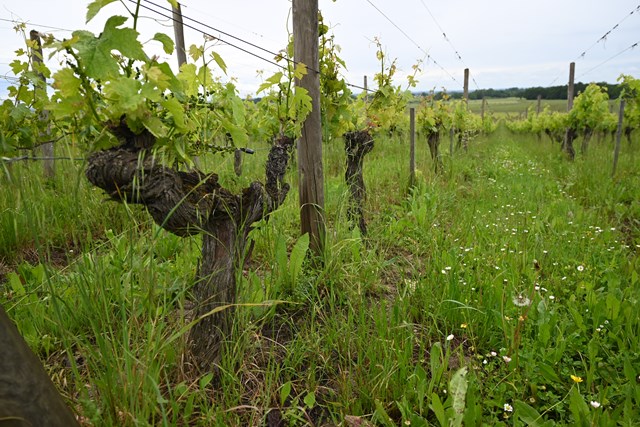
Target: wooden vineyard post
{"x":366,"y":89}
{"x":181,"y":52}
{"x":570,"y":133}
{"x":539,"y":105}
{"x":27,"y":395}
{"x":616,"y":151}
{"x":311,"y":186}
{"x":484,"y":103}
{"x":178,"y":30}
{"x":466,"y":86}
{"x":412,"y":149}
{"x":47,"y":148}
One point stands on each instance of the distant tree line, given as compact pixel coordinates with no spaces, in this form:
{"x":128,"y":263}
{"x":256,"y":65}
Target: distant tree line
{"x":551,"y":92}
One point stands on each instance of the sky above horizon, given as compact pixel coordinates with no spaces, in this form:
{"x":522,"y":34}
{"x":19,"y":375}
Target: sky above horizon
{"x":503,"y":43}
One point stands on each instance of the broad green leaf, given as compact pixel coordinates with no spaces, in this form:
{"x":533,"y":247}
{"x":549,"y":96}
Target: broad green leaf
{"x":174,"y":107}
{"x":124,"y":95}
{"x":205,"y":380}
{"x":167,"y":42}
{"x":195,"y":52}
{"x":310,"y":400}
{"x":155,"y":126}
{"x":300,"y":70}
{"x":298,"y":254}
{"x":458,"y":391}
{"x":579,"y":408}
{"x":95,"y":7}
{"x":66,"y":82}
{"x":216,"y":57}
{"x":16,"y":284}
{"x":157,"y":76}
{"x":285,"y":391}
{"x":271,"y":81}
{"x":95,"y":52}
{"x":187,"y":76}
{"x":527,"y":413}
{"x":438,"y":408}
{"x":381,"y":417}
{"x":280,"y":252}
{"x":238,"y":133}
{"x":205,"y":78}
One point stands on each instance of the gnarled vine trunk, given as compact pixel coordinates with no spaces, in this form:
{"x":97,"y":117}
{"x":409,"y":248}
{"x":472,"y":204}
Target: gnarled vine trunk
{"x":357,"y":144}
{"x":188,"y":203}
{"x":586,"y":137}
{"x":567,"y":145}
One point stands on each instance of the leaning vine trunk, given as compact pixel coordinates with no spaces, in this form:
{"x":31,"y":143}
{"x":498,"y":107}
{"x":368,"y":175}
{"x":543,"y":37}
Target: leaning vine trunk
{"x":357,"y":144}
{"x":189,"y":203}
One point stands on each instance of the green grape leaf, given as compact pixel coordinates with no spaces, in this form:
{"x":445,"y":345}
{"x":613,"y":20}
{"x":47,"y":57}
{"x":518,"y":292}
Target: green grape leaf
{"x":95,"y":52}
{"x":173,"y":106}
{"x":94,"y":8}
{"x":219,"y":61}
{"x":124,"y":95}
{"x":187,"y":76}
{"x":195,"y":52}
{"x":271,"y":81}
{"x":155,"y":126}
{"x":167,"y":42}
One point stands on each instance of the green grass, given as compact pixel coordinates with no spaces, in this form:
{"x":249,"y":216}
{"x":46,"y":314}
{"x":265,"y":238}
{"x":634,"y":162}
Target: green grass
{"x":513,"y":254}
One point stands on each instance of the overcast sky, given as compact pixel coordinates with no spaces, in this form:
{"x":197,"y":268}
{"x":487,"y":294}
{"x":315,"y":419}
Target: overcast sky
{"x":505,"y":43}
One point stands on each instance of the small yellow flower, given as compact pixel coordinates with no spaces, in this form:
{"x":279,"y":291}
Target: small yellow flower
{"x":576,"y":379}
{"x":464,"y":326}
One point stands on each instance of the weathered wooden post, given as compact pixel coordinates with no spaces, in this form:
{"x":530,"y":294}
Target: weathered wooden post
{"x":27,"y":395}
{"x":539,"y":105}
{"x":484,"y":103}
{"x":466,"y":86}
{"x":412,"y":149}
{"x":178,"y":30}
{"x":616,"y":151}
{"x":37,"y":62}
{"x":311,"y":185}
{"x":570,"y":133}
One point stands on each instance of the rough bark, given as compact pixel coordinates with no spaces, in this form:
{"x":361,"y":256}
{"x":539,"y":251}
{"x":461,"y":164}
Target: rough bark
{"x":357,"y":144}
{"x":568,"y":142}
{"x":433,"y":139}
{"x":237,"y":162}
{"x":586,"y":137}
{"x":187,"y":203}
{"x":27,"y":395}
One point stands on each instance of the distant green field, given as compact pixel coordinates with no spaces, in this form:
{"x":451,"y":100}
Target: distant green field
{"x":516,"y":106}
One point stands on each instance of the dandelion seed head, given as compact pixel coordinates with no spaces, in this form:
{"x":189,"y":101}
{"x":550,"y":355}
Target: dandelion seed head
{"x":521,"y":301}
